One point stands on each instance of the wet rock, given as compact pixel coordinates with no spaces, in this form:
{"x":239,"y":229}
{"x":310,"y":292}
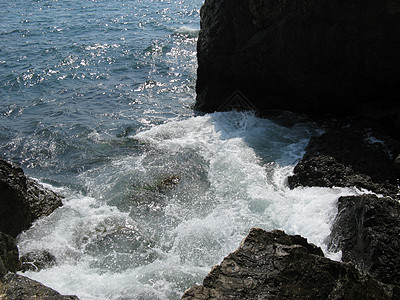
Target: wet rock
{"x":22,"y":200}
{"x":349,"y":155}
{"x":9,"y":261}
{"x":367,"y":230}
{"x":315,"y":57}
{"x":160,"y":186}
{"x":119,"y":248}
{"x":273,"y":265}
{"x":168,"y":183}
{"x":15,"y":287}
{"x":3,"y":270}
{"x":37,"y":260}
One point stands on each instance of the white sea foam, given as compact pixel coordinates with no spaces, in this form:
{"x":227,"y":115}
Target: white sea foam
{"x":188,"y":30}
{"x":249,"y":191}
{"x":124,"y":242}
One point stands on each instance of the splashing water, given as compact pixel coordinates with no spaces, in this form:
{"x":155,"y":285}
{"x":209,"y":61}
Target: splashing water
{"x":140,"y":235}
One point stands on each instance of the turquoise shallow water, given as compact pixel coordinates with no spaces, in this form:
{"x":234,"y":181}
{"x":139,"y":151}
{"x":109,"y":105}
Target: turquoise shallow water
{"x":96,"y":102}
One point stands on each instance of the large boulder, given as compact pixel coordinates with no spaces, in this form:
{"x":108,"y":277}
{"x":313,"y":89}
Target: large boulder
{"x":13,"y":287}
{"x":367,"y":231}
{"x":22,"y":200}
{"x":348,"y":155}
{"x":273,"y":265}
{"x":325,"y":57}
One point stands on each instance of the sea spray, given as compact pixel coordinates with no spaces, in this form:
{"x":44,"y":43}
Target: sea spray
{"x":131,"y":237}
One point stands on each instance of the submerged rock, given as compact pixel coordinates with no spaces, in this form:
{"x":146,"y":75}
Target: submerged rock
{"x":168,"y":183}
{"x":315,"y":57}
{"x":9,"y":261}
{"x":13,"y":287}
{"x":37,"y":260}
{"x":367,"y":231}
{"x":22,"y":200}
{"x":273,"y":265}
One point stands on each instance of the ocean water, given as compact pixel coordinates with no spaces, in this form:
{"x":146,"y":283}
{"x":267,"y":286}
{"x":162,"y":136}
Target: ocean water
{"x":96,"y":103}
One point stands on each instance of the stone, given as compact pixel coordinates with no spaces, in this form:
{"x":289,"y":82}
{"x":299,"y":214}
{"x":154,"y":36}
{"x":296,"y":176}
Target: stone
{"x":367,"y":228}
{"x":9,"y":260}
{"x":367,"y":231}
{"x":168,"y":183}
{"x":397,"y":164}
{"x":22,"y":200}
{"x":37,"y":260}
{"x":15,"y":287}
{"x":330,"y":58}
{"x":348,"y":155}
{"x":273,"y":265}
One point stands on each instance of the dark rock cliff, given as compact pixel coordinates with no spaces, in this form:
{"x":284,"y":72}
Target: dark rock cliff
{"x":9,"y":261}
{"x":316,"y":57}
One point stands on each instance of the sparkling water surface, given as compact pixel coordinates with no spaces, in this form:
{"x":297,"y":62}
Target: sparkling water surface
{"x":96,"y":103}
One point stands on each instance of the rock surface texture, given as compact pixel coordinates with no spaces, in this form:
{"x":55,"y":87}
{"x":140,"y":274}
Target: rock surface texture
{"x":37,"y":260}
{"x":316,"y":57}
{"x":367,"y":230}
{"x":16,"y":287}
{"x":273,"y":265}
{"x":350,"y":154}
{"x":367,"y":227}
{"x":22,"y":200}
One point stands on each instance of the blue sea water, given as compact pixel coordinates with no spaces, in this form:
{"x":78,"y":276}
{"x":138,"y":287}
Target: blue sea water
{"x":96,"y":103}
{"x":70,"y":68}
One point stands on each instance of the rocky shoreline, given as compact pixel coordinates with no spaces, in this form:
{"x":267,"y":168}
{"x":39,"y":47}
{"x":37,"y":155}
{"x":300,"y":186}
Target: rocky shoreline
{"x":22,"y":201}
{"x":273,"y":265}
{"x":366,"y":230}
{"x":270,"y":265}
{"x":352,"y":152}
{"x":337,"y":63}
{"x":367,"y":227}
{"x":327,"y":59}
